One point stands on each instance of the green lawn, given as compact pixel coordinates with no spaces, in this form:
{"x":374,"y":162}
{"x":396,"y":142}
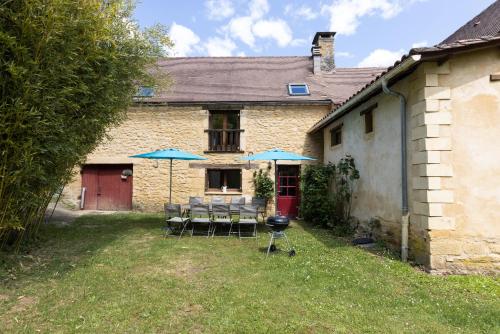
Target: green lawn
{"x":117,"y":273}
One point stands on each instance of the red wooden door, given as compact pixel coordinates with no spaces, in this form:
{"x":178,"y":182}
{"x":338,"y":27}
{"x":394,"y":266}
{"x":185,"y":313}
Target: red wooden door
{"x":107,"y":188}
{"x":288,"y":190}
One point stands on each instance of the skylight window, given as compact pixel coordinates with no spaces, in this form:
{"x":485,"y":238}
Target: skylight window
{"x":144,"y":91}
{"x":298,"y":89}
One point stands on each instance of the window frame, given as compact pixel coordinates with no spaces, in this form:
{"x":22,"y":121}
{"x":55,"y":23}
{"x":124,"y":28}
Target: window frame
{"x":224,"y":179}
{"x":290,"y":85}
{"x":226,"y":132}
{"x":368,"y":121}
{"x":225,"y":119}
{"x":333,"y":131}
{"x":367,"y":113}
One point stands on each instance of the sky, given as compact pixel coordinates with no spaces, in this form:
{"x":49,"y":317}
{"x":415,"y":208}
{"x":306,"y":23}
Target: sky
{"x":368,"y":32}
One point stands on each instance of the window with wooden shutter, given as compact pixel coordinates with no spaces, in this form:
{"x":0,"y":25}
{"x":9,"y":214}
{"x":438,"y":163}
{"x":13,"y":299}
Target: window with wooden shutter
{"x":224,"y":131}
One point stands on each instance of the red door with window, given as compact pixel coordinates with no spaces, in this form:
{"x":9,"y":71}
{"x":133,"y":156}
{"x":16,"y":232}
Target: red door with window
{"x":288,"y":190}
{"x":107,"y":187}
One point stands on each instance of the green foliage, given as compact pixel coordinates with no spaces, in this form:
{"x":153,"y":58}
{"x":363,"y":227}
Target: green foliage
{"x":315,"y":204}
{"x":263,"y":184}
{"x":68,"y":71}
{"x":327,"y":194}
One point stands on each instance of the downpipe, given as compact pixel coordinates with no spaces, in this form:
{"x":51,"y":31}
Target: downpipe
{"x":404,"y":171}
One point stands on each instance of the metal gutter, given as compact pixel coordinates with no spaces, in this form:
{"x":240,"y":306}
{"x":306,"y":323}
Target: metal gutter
{"x":404,"y":170}
{"x":397,"y":70}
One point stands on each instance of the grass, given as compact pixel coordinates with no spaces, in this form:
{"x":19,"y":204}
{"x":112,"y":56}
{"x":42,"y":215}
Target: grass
{"x":116,"y":273}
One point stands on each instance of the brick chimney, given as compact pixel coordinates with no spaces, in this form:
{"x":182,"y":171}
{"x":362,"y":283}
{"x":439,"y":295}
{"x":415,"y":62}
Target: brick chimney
{"x":323,"y":52}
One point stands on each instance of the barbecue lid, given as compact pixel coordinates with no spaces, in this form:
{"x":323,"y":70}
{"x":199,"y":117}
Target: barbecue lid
{"x":275,"y":220}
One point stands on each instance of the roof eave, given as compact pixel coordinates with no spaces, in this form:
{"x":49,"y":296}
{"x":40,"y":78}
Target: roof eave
{"x":399,"y":69}
{"x":325,"y":102}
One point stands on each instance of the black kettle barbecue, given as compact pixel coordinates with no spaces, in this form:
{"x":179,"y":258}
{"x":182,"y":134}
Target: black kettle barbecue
{"x":278,"y":224}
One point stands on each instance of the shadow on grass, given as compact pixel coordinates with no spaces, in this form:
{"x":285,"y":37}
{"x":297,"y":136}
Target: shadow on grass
{"x":328,"y":238}
{"x":59,"y":249}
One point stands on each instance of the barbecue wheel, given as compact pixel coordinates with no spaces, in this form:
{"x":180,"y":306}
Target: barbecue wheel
{"x":272,"y":248}
{"x":291,"y":253}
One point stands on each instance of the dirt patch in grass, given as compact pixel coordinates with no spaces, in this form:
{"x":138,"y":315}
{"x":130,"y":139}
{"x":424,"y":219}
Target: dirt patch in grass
{"x":23,"y":304}
{"x":4,"y":297}
{"x":192,"y":309}
{"x":182,"y":268}
{"x":186,"y":269}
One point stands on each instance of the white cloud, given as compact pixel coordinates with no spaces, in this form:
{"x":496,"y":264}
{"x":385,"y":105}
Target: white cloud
{"x":275,"y":29}
{"x":344,"y":54}
{"x":302,"y":12}
{"x":381,"y":58}
{"x":258,"y":8}
{"x":255,"y":25}
{"x":241,"y":27}
{"x":299,"y":42}
{"x":219,"y":9}
{"x":185,"y":40}
{"x":420,"y":44}
{"x":345,"y":15}
{"x":220,"y":47}
{"x":241,"y":54}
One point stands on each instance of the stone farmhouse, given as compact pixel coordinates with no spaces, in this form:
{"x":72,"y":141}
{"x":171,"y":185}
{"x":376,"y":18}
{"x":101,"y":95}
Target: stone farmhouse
{"x":221,"y":108}
{"x":423,"y":134}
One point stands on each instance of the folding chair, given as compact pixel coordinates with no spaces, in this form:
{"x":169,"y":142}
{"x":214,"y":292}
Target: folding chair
{"x":200,"y":215}
{"x":236,"y":202}
{"x":248,"y":217}
{"x":221,"y":216}
{"x":195,"y":200}
{"x":260,"y":203}
{"x":218,"y":200}
{"x":175,"y":221}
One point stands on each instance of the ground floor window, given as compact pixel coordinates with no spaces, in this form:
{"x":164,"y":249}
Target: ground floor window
{"x":336,"y":136}
{"x":216,"y":179}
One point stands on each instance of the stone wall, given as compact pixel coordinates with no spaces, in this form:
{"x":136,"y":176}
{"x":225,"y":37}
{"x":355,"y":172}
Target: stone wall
{"x":453,"y":160}
{"x":148,"y":128}
{"x":462,"y":119}
{"x":377,"y":195}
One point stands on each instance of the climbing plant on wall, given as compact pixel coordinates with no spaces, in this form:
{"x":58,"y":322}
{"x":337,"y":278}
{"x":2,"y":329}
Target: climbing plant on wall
{"x":327,"y":192}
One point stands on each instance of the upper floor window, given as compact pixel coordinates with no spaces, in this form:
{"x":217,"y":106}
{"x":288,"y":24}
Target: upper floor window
{"x":367,"y":114}
{"x":224,"y":131}
{"x":298,"y":89}
{"x":336,"y":135}
{"x":369,"y":121}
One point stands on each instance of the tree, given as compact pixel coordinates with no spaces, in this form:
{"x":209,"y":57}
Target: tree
{"x":68,"y":71}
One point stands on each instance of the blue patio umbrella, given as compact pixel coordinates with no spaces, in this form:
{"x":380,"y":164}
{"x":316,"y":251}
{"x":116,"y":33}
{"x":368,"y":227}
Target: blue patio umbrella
{"x":275,"y":155}
{"x":169,"y":154}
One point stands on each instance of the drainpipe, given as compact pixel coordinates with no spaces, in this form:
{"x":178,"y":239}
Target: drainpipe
{"x":404,"y":171}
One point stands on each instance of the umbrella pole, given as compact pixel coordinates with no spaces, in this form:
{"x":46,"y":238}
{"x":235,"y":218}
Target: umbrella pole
{"x":170,"y":191}
{"x":275,"y":189}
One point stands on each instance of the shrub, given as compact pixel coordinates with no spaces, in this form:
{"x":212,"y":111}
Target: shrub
{"x":263,"y":184}
{"x":327,"y":193}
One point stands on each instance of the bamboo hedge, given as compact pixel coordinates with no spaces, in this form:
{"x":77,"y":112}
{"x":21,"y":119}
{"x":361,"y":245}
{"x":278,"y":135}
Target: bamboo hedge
{"x":68,"y":71}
